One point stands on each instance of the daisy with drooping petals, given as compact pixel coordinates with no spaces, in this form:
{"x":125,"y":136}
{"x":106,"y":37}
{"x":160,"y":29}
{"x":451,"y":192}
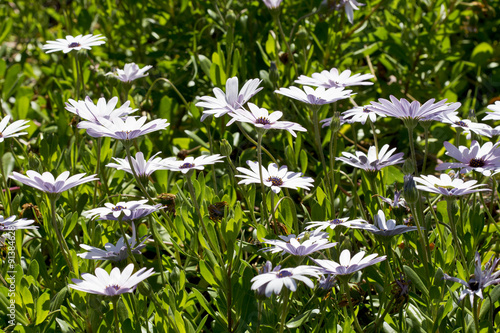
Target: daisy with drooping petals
{"x":334,"y":79}
{"x":274,"y":177}
{"x":479,"y":281}
{"x":370,"y":162}
{"x":94,"y":112}
{"x":73,"y":43}
{"x":113,"y":284}
{"x":130,"y":210}
{"x":348,"y":265}
{"x":350,"y":6}
{"x":328,"y":121}
{"x":318,"y":96}
{"x":112,"y":252}
{"x":123,"y":129}
{"x":484,"y":159}
{"x":130,"y":72}
{"x":230,"y":101}
{"x":382,"y":227}
{"x":447,"y":186}
{"x":261,"y":118}
{"x":190,"y":163}
{"x":467,"y":126}
{"x":47,"y":183}
{"x":142,"y":168}
{"x":360,"y":114}
{"x":332,"y":224}
{"x":272,"y":282}
{"x":12,"y":130}
{"x":12,"y":224}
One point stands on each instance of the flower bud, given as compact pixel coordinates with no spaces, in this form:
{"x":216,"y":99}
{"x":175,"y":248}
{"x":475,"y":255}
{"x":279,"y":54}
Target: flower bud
{"x":34,"y":162}
{"x":225,"y":148}
{"x":335,"y":122}
{"x":302,"y":34}
{"x":410,"y":191}
{"x":408,"y":167}
{"x":472,"y":115}
{"x":230,"y":17}
{"x":274,"y":75}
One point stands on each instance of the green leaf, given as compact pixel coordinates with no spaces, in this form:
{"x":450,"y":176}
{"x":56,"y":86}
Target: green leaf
{"x":302,"y":318}
{"x":481,"y":54}
{"x":34,"y":269}
{"x":416,"y":280}
{"x":488,"y":301}
{"x":42,"y":308}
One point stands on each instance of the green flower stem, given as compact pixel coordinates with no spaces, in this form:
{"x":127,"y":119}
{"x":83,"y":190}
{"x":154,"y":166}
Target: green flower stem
{"x":98,"y":168}
{"x":453,"y":227}
{"x":347,"y":290}
{"x":77,"y":69}
{"x":173,"y":87}
{"x":423,"y":239}
{"x":373,"y":186}
{"x":490,"y":217}
{"x":426,"y":137}
{"x":125,"y":90}
{"x":273,"y":217}
{"x":289,"y":50}
{"x":475,"y":313}
{"x":127,"y":244}
{"x":333,"y":154}
{"x":245,"y":134}
{"x":62,"y":243}
{"x":438,"y":225}
{"x":264,"y":216}
{"x":374,"y":135}
{"x":158,"y":254}
{"x":210,"y":140}
{"x":7,"y":195}
{"x":285,"y":303}
{"x":412,"y":148}
{"x":114,"y":300}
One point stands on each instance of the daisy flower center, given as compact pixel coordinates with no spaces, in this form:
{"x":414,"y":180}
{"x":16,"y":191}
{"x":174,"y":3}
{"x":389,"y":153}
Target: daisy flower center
{"x":284,"y":273}
{"x":112,"y":288}
{"x":447,"y":187}
{"x":1,"y":135}
{"x":275,"y":181}
{"x":473,"y":285}
{"x":461,"y":124}
{"x":476,"y":162}
{"x":74,"y":44}
{"x":117,"y":208}
{"x":187,"y":166}
{"x":366,"y":110}
{"x":262,"y":121}
{"x":336,"y":221}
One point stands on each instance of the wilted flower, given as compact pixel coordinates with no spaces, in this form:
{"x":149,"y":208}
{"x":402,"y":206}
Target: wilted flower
{"x":320,"y":96}
{"x":382,"y":227}
{"x":113,"y":284}
{"x":130,"y":72}
{"x":348,"y":265}
{"x":10,"y":131}
{"x":274,"y":177}
{"x":12,"y":224}
{"x":398,"y":202}
{"x":114,"y":252}
{"x":334,"y":79}
{"x":273,"y":281}
{"x":123,"y":129}
{"x":261,"y":118}
{"x":130,"y":210}
{"x":190,"y":163}
{"x":370,"y":162}
{"x":332,"y":224}
{"x":231,"y":100}
{"x":47,"y":183}
{"x":447,"y":186}
{"x":89,"y":111}
{"x":483,"y":159}
{"x":480,"y":280}
{"x":73,"y":43}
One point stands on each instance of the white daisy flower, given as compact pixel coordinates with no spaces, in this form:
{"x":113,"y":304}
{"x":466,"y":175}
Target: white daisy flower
{"x":113,"y":284}
{"x":332,"y":224}
{"x":274,"y":177}
{"x":467,"y":126}
{"x":334,"y":79}
{"x":272,"y":4}
{"x":131,"y":210}
{"x":47,"y":183}
{"x":382,"y":227}
{"x":303,"y":245}
{"x":274,"y":281}
{"x":231,"y":100}
{"x":142,"y":167}
{"x":348,"y":265}
{"x":447,"y":186}
{"x":112,"y":252}
{"x":73,"y":43}
{"x":261,"y":118}
{"x":12,"y":224}
{"x":190,"y":163}
{"x":370,"y":162}
{"x":12,"y":130}
{"x":494,"y":113}
{"x":484,"y":159}
{"x":360,"y":114}
{"x":130,"y":72}
{"x":318,"y":96}
{"x":89,"y":111}
{"x":123,"y":129}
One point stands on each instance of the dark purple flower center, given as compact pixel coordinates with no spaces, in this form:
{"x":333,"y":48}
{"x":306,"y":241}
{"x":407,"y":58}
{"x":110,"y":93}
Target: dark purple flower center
{"x":473,"y":285}
{"x":276,"y":181}
{"x":336,"y":221}
{"x":115,"y":287}
{"x":284,"y":273}
{"x":187,"y":166}
{"x":74,"y":44}
{"x":117,"y":208}
{"x":366,"y":110}
{"x":476,"y":162}
{"x":461,"y":124}
{"x":263,"y":121}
